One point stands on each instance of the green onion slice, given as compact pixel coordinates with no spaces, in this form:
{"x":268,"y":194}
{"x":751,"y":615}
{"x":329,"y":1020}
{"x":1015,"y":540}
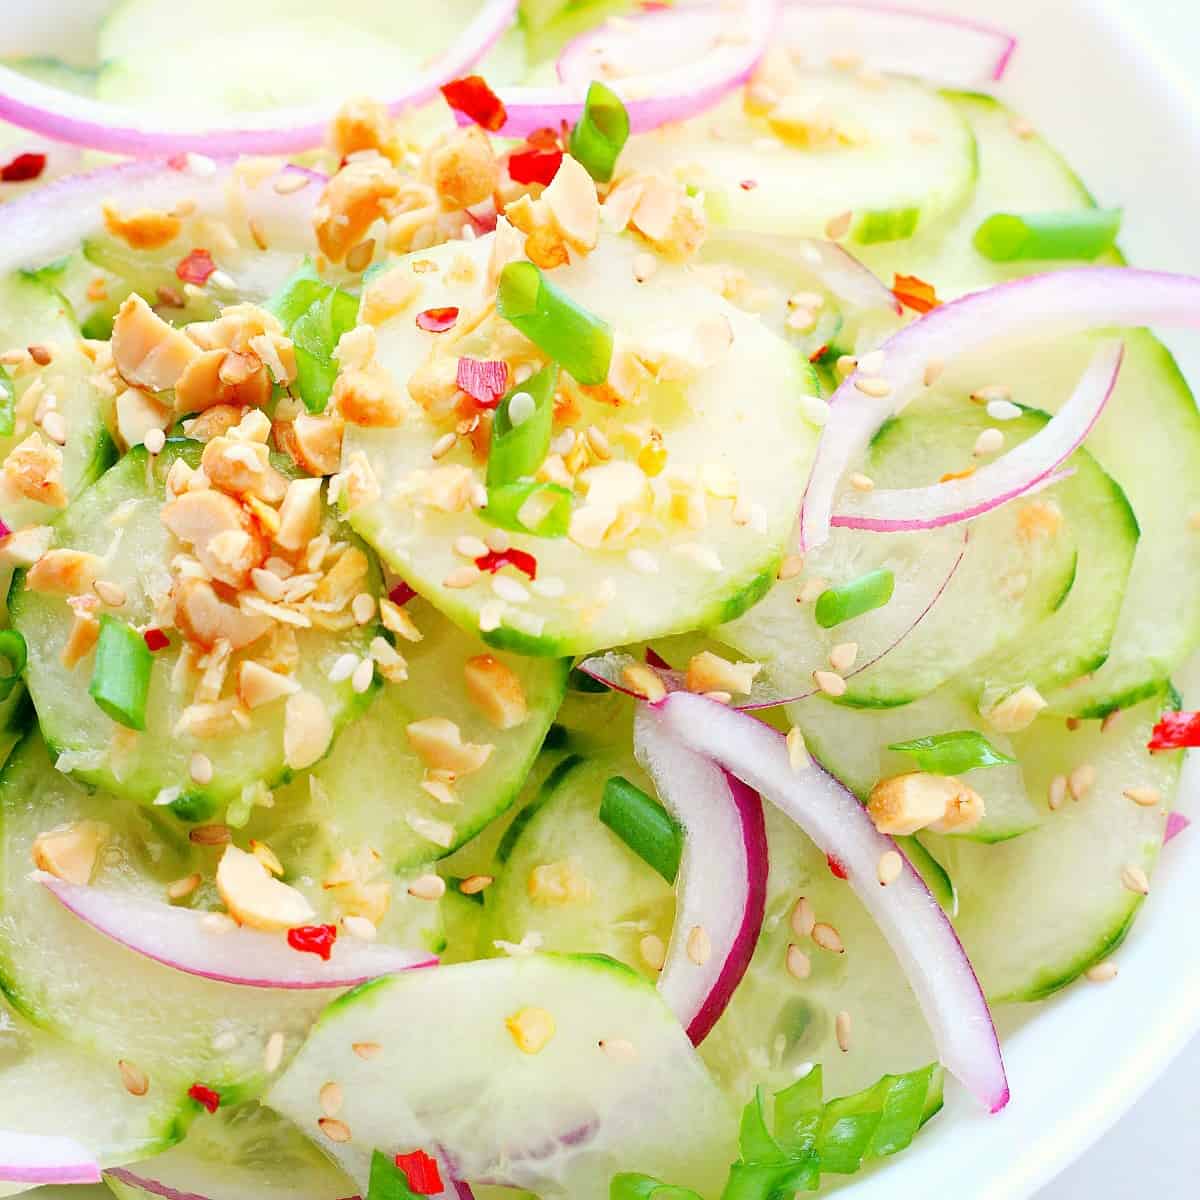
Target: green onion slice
{"x":631,"y":1186}
{"x":601,"y":132}
{"x":953,"y":753}
{"x":519,"y":447}
{"x":121,"y":674}
{"x":643,"y":825}
{"x":548,"y":317}
{"x":387,"y":1181}
{"x":542,"y":509}
{"x":14,"y":651}
{"x":1044,"y":236}
{"x":861,"y":595}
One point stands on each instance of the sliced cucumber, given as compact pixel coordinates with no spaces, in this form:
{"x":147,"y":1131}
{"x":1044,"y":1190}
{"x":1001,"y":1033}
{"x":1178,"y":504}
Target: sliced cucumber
{"x":854,"y":746}
{"x":1148,"y":438}
{"x":560,"y":1121}
{"x":1035,"y":913}
{"x":179,"y":1029}
{"x":137,"y":549}
{"x":890,"y":152}
{"x":741,"y":418}
{"x":244,"y":1153}
{"x":368,"y":791}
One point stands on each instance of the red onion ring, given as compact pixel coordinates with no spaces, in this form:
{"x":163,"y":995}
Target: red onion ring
{"x":244,"y":957}
{"x":1026,"y":468}
{"x":34,"y":1158}
{"x":65,"y":117}
{"x":722,"y":884}
{"x":1038,"y":306}
{"x":735,"y":39}
{"x":1176,"y":824}
{"x":915,"y":926}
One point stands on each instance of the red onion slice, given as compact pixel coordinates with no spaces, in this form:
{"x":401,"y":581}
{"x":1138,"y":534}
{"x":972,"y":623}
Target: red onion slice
{"x":915,"y":926}
{"x":1026,"y":468}
{"x":701,"y":53}
{"x":1039,"y":306}
{"x":721,"y":892}
{"x":53,"y":220}
{"x":1176,"y":824}
{"x":845,"y":276}
{"x":83,"y":121}
{"x":34,"y":1158}
{"x":177,"y":937}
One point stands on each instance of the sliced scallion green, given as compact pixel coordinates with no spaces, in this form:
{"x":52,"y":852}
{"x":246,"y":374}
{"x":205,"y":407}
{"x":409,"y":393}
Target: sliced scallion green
{"x":643,"y":825}
{"x":121,"y":673}
{"x":542,"y":509}
{"x":521,"y":429}
{"x":1045,"y":236}
{"x":601,"y":132}
{"x":953,"y":753}
{"x":14,"y":651}
{"x":861,"y":595}
{"x":548,"y":317}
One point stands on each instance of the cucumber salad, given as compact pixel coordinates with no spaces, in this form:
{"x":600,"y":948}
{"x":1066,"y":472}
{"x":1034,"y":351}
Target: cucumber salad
{"x":577,"y":625}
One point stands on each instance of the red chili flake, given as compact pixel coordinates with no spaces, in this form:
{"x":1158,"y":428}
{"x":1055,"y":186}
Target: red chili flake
{"x":493,"y":560}
{"x":437,"y":320}
{"x":422,"y":1173}
{"x":155,"y":639}
{"x":915,"y":293}
{"x":23,"y":168}
{"x":1175,"y":731}
{"x":748,"y":185}
{"x":401,"y":594}
{"x":196,"y":267}
{"x":205,"y":1096}
{"x":472,"y":97}
{"x":313,"y":939}
{"x":178,"y":162}
{"x":485,"y":380}
{"x":819,"y":353}
{"x":534,"y":165}
{"x":544,"y":139}
{"x":656,"y":660}
{"x":835,"y":866}
{"x":4,"y":529}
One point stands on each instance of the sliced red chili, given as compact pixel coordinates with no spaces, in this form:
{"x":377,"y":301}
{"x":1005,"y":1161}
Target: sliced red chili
{"x":437,"y":320}
{"x":915,"y":293}
{"x":313,"y":939}
{"x":485,"y":380}
{"x":1175,"y":731}
{"x":155,"y":640}
{"x":748,"y":185}
{"x":494,"y":560}
{"x":196,"y":267}
{"x":401,"y":594}
{"x":472,"y":97}
{"x":534,"y":165}
{"x":836,"y":867}
{"x":422,"y":1173}
{"x":23,"y":168}
{"x":205,"y":1097}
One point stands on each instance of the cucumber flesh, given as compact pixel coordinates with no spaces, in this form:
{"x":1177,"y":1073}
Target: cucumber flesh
{"x":561,"y":1121}
{"x":136,"y":555}
{"x":891,"y":153}
{"x":1036,"y":912}
{"x":741,"y":416}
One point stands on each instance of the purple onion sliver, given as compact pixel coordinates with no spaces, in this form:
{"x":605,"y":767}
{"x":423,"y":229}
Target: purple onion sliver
{"x":1176,"y":824}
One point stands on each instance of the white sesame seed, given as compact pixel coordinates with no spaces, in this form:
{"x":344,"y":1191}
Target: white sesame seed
{"x":154,"y":441}
{"x":803,"y":919}
{"x":791,"y":566}
{"x":830,"y":683}
{"x":491,"y":616}
{"x":113,"y":594}
{"x":427,"y":887}
{"x":644,"y":266}
{"x":837,"y":227}
{"x":54,"y":425}
{"x":289,"y":182}
{"x":846,"y":365}
{"x":1144,"y":797}
{"x":842,"y":1026}
{"x":842,"y":656}
{"x":1110,"y":719}
{"x":360,"y":680}
{"x":333,"y":1129}
{"x":798,"y":756}
{"x":1134,"y":879}
{"x":1102,"y":972}
{"x":873,"y":386}
{"x":179,"y":888}
{"x":550,"y":586}
{"x":361,"y":928}
{"x":331,"y":1099}
{"x":598,"y":443}
{"x":443,"y":445}
{"x":201,"y":768}
{"x":933,"y":371}
{"x":1058,"y":792}
{"x":367,"y":1050}
{"x":222,"y":279}
{"x":619,"y":1048}
{"x":642,"y":561}
{"x":362,"y":608}
{"x":990,"y":441}
{"x":273,"y":1054}
{"x":215,"y":922}
{"x":1002,"y":410}
{"x":993,"y":391}
{"x":343,"y":667}
{"x":564,"y":443}
{"x":828,"y":938}
{"x":799,"y":965}
{"x":136,"y":1082}
{"x":462,"y":577}
{"x":890,"y":866}
{"x":862,"y":483}
{"x":1081,"y":780}
{"x":520,"y":408}
{"x":699,"y":945}
{"x":474,"y":884}
{"x":703,"y":556}
{"x":509,"y":589}
{"x":872,"y":363}
{"x":470,"y":547}
{"x":653,"y":951}
{"x":498,"y":540}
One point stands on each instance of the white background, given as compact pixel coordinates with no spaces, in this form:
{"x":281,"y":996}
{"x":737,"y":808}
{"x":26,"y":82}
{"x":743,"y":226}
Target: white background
{"x":1150,"y":1153}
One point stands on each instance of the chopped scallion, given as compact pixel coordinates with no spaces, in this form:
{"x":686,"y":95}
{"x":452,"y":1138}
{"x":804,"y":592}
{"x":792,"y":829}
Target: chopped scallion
{"x":14,"y":651}
{"x":601,"y":132}
{"x":861,"y":595}
{"x":548,"y":317}
{"x":953,"y":753}
{"x":643,"y":825}
{"x":542,"y":509}
{"x":1045,"y":236}
{"x":121,"y":674}
{"x":631,"y":1186}
{"x":519,"y":447}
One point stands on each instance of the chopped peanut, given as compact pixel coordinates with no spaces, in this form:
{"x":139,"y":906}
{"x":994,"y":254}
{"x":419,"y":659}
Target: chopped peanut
{"x":258,"y":686}
{"x":85,"y":630}
{"x":299,"y":515}
{"x":148,"y":352}
{"x":69,"y":852}
{"x":220,"y":533}
{"x":438,"y":742}
{"x":662,"y":212}
{"x":255,"y":897}
{"x":34,"y":468}
{"x":203,"y":617}
{"x":145,"y":229}
{"x":363,"y":124}
{"x":368,"y":397}
{"x":1039,"y":520}
{"x":906,"y":804}
{"x":243,"y":469}
{"x":1016,"y":711}
{"x":221,"y":377}
{"x":213,"y":422}
{"x":137,"y":413}
{"x":316,"y":442}
{"x":307,"y":730}
{"x":559,"y":883}
{"x":396,"y":619}
{"x":343,"y":581}
{"x":361,"y":193}
{"x":572,"y":202}
{"x":387,"y":295}
{"x":64,"y":572}
{"x":434,"y":385}
{"x":24,"y":547}
{"x":708,"y":672}
{"x":496,"y":691}
{"x":464,"y":170}
{"x":531,"y":1028}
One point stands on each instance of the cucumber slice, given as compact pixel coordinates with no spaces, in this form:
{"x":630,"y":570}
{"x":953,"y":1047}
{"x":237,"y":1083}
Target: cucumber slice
{"x":560,"y":1121}
{"x":1148,"y":438}
{"x":741,"y":416}
{"x":854,"y":746}
{"x":1035,"y":913}
{"x":62,"y":975}
{"x":890,"y":152}
{"x":368,"y":790}
{"x":136,"y":554}
{"x":244,"y":1153}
